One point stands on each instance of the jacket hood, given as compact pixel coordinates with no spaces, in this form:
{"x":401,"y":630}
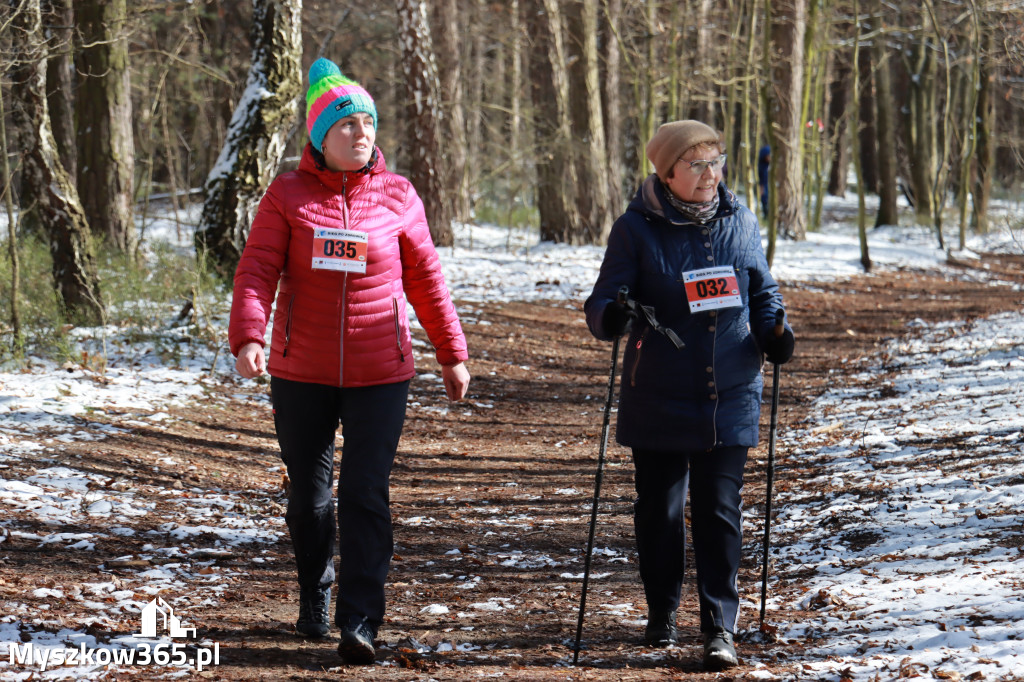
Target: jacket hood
{"x":310,"y":163}
{"x":650,"y":200}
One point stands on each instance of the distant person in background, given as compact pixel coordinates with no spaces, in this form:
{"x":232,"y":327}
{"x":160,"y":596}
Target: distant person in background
{"x":764,"y":160}
{"x":342,"y":242}
{"x":688,"y":248}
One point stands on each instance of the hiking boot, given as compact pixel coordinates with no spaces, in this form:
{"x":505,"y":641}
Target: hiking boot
{"x":661,"y":628}
{"x":313,"y":620}
{"x":719,"y":652}
{"x":356,"y":645}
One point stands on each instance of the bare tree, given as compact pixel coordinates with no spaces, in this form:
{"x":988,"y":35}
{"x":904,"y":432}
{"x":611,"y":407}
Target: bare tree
{"x":424,"y":114}
{"x":885,"y":126}
{"x":58,"y":18}
{"x":453,"y":122}
{"x":257,"y":135}
{"x":44,"y":180}
{"x":839,"y":88}
{"x":590,"y":150}
{"x":17,"y":339}
{"x":788,"y":26}
{"x":922,"y":66}
{"x":856,"y":140}
{"x":866,"y":119}
{"x":556,"y":174}
{"x":103,"y":109}
{"x":613,"y":119}
{"x":986,"y":113}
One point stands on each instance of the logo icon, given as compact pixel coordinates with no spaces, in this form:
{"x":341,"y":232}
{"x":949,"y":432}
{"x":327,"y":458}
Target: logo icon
{"x":171,"y":623}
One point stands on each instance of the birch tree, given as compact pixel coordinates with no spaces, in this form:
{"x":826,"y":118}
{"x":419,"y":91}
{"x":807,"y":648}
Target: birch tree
{"x":257,"y":135}
{"x":47,"y":189}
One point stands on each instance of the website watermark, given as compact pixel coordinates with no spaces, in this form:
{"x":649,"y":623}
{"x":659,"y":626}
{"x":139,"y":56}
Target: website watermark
{"x":155,"y":615}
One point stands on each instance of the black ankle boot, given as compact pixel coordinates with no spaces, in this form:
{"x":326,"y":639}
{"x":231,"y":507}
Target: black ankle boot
{"x":719,"y":652}
{"x":313,"y":607}
{"x":356,"y":646}
{"x":661,"y":628}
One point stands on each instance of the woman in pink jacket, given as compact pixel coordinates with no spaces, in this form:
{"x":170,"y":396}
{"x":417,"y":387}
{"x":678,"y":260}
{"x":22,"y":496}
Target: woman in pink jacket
{"x":343,"y":242}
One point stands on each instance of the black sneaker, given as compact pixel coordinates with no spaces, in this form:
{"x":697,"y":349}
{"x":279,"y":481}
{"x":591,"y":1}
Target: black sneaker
{"x":313,"y":620}
{"x":357,"y":644}
{"x":661,"y":628}
{"x":719,"y":652}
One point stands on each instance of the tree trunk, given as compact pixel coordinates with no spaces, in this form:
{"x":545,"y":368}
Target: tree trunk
{"x":613,"y":119}
{"x":57,"y":206}
{"x":424,"y":114}
{"x":839,"y":90}
{"x":866,"y":122}
{"x":922,"y":126}
{"x":885,"y":125}
{"x":700,"y":84}
{"x":103,"y":107}
{"x":472,"y":172}
{"x":556,"y":174}
{"x":257,"y":136}
{"x":59,"y":17}
{"x":453,"y":122}
{"x":16,"y":344}
{"x":788,"y":29}
{"x":986,"y":152}
{"x":855,"y":141}
{"x":590,"y":156}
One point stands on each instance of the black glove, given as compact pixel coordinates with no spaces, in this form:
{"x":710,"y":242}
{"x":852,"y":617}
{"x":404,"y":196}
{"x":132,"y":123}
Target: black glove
{"x":778,"y":349}
{"x":617,"y":319}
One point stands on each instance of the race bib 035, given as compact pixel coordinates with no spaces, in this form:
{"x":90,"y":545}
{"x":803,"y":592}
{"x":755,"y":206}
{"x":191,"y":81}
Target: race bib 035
{"x":343,"y":250}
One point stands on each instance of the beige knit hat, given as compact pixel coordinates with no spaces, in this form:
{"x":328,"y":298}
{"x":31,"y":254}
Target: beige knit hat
{"x":676,"y":138}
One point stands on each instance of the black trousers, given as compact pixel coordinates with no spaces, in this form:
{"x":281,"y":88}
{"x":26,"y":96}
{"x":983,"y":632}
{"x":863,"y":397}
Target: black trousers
{"x":306,"y":417}
{"x":715,"y":480}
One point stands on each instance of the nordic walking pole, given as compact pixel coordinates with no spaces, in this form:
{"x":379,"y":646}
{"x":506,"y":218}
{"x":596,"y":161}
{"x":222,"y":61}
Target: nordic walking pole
{"x":780,"y":329}
{"x":623,"y":295}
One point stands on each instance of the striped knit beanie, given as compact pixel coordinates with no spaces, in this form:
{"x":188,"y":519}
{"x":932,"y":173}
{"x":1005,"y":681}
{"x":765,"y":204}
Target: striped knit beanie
{"x":330,"y":98}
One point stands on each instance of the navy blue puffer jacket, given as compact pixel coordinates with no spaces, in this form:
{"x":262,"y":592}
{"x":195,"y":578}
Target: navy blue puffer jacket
{"x":707,"y":394}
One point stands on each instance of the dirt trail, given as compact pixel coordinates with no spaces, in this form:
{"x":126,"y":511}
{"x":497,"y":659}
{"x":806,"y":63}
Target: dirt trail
{"x":492,"y":501}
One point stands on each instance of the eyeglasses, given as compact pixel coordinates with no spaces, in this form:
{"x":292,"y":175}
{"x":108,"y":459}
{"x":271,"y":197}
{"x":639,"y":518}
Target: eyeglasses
{"x":698,"y":167}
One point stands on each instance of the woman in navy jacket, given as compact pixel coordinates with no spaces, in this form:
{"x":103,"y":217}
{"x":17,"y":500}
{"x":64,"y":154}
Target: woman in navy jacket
{"x":689,"y":249}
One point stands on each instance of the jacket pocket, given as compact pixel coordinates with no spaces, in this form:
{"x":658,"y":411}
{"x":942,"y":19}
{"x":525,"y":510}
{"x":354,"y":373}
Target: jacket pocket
{"x":636,"y":360}
{"x":288,"y":326}
{"x":398,"y":330}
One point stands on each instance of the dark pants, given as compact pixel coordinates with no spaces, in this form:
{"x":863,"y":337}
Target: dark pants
{"x":306,"y":417}
{"x":715,"y":480}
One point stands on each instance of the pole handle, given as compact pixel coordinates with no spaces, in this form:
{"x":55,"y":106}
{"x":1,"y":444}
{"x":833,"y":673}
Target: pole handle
{"x":780,"y":322}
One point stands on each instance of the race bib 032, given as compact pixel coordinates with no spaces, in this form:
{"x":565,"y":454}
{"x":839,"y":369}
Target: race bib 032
{"x":712,"y":289}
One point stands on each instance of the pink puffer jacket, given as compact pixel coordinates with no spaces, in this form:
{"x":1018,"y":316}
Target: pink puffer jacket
{"x":342,"y":328}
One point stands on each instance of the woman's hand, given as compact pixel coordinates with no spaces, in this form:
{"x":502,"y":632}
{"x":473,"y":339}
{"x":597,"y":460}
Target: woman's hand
{"x":456,"y":381}
{"x":251,"y":361}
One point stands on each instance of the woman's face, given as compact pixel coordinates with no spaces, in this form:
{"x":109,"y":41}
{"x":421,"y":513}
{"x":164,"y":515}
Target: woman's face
{"x":697,"y":185}
{"x":348,"y":143}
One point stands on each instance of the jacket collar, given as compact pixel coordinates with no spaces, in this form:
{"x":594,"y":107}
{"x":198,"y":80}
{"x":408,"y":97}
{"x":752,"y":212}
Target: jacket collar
{"x":338,"y":180}
{"x":650,"y":199}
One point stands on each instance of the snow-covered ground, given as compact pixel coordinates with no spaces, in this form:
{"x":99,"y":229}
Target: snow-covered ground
{"x":915,"y":550}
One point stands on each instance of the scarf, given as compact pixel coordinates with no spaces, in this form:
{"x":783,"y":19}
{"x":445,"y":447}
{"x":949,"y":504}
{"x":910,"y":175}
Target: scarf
{"x":700,"y":213}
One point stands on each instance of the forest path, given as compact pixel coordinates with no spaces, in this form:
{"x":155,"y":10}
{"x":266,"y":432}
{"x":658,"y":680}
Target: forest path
{"x":491,"y":500}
